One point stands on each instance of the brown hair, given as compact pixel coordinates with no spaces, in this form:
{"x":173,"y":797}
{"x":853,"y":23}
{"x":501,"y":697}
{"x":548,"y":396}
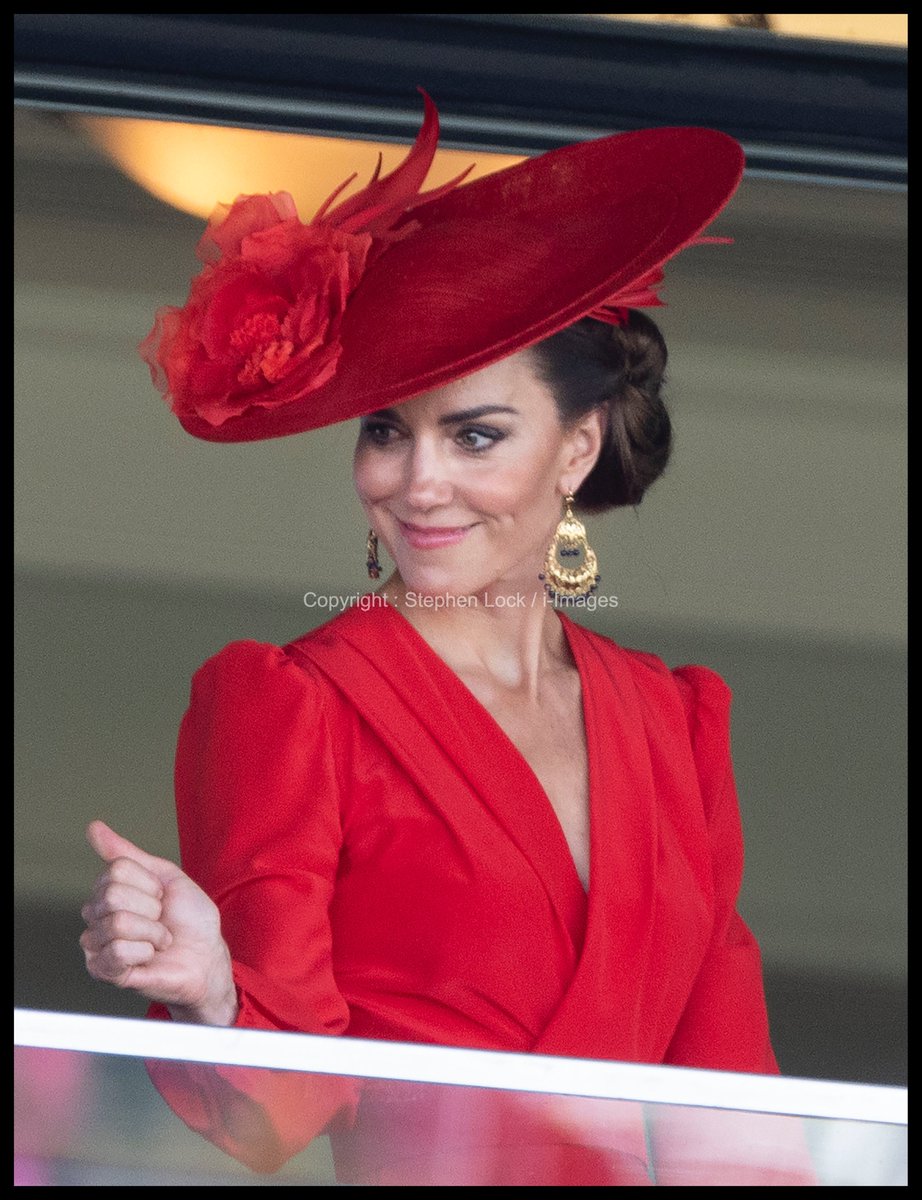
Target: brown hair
{"x":620,"y":368}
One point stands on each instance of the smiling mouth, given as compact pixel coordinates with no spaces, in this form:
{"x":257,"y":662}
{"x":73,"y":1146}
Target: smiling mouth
{"x":431,"y":536}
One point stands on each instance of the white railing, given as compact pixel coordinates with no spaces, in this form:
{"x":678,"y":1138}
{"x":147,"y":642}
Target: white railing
{"x":463,"y":1067}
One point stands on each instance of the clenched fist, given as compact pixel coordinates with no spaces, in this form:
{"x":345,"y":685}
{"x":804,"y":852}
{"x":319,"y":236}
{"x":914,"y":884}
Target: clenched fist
{"x":150,"y":928}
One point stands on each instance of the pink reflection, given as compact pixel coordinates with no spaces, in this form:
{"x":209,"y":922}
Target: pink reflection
{"x":49,"y":1101}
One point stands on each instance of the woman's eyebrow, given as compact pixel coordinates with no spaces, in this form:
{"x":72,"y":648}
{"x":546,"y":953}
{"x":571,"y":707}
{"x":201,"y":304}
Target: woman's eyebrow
{"x":472,"y":414}
{"x":467,"y":414}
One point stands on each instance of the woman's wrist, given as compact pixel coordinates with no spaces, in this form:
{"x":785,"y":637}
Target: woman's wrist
{"x":220,"y":1012}
{"x":220,"y":1006}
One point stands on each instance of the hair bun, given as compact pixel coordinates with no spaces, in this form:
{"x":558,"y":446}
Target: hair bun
{"x":621,"y":367}
{"x":644,"y":350}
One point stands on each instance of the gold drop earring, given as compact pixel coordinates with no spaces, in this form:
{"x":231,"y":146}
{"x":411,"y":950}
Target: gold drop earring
{"x":570,"y":541}
{"x":371,"y":555}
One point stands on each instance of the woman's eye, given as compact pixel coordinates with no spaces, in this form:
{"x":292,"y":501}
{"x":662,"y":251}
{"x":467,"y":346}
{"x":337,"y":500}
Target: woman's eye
{"x":479,"y":439}
{"x":381,"y":433}
{"x":378,"y":432}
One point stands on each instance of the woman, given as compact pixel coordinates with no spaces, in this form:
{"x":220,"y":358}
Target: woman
{"x":451,"y":814}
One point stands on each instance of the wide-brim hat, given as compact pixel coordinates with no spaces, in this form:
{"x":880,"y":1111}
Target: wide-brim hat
{"x":291,"y":326}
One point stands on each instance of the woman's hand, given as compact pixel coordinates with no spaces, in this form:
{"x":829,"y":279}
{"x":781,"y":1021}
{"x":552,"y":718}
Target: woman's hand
{"x":151,"y":929}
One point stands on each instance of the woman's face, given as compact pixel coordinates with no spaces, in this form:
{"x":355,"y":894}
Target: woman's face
{"x":463,"y":484}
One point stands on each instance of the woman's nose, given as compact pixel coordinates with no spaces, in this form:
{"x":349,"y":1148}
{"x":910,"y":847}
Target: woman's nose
{"x":427,"y":481}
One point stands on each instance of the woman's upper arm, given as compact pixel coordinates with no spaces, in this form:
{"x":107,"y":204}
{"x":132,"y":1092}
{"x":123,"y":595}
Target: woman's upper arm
{"x":725,"y":1022}
{"x":258,"y":814}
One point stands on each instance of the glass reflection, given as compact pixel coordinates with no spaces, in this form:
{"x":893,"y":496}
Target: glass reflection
{"x":85,"y":1119}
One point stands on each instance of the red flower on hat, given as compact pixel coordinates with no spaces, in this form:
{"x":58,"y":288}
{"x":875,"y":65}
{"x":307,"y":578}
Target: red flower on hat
{"x":262,"y":322}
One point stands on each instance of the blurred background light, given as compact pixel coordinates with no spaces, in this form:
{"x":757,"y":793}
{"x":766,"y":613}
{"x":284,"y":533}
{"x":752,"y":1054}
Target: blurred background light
{"x":195,"y":167}
{"x":890,"y":29}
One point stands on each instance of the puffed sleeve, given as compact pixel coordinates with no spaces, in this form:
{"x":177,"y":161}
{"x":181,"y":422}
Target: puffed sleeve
{"x":724,"y":1025}
{"x":259,"y":831}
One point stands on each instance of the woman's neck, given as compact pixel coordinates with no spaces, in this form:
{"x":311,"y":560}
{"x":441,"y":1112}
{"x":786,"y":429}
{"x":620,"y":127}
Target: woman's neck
{"x":515,"y":638}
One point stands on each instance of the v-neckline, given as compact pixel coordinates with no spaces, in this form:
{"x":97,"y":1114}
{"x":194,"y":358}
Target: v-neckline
{"x":568,"y":627}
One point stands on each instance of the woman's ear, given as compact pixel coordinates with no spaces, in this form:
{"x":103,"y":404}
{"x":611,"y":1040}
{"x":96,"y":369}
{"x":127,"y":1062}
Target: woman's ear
{"x":582,"y":447}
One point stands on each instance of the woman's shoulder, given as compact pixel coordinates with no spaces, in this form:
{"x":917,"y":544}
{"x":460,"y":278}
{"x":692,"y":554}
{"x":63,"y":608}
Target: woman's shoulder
{"x":250,"y":663}
{"x":683,"y":709}
{"x":248,"y":660}
{"x":694,"y":684}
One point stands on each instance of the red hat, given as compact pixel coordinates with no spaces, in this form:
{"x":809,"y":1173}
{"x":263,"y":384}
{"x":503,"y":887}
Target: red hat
{"x":292,"y":326}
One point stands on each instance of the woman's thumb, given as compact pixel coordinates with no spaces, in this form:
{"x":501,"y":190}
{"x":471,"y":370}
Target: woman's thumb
{"x":110,"y":845}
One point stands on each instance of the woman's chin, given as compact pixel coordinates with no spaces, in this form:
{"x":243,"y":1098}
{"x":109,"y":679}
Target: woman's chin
{"x":461,"y":589}
{"x":438,"y":583}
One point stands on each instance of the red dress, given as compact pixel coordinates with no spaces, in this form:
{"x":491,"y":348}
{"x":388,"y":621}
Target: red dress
{"x":387,"y":865}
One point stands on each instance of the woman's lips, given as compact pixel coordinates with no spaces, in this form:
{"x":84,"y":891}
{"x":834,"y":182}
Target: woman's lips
{"x":427,"y":537}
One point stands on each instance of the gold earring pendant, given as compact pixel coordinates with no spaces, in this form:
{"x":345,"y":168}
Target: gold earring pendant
{"x":570,"y":542}
{"x":371,"y":555}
